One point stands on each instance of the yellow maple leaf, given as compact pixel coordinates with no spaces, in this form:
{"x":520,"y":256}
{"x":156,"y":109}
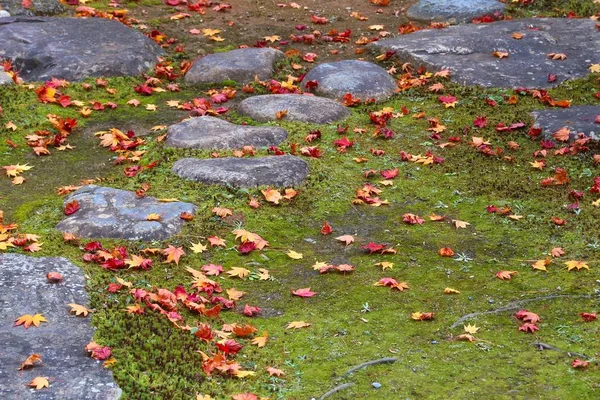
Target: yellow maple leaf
{"x":261,"y":341}
{"x":210,"y":32}
{"x":460,"y":224}
{"x":243,"y":374}
{"x":472,"y":329}
{"x":39,"y":382}
{"x":272,"y":195}
{"x":541,"y":264}
{"x":385,"y":265}
{"x":198,"y":247}
{"x":451,"y":291}
{"x":576,"y":265}
{"x":78,"y":309}
{"x":153,"y":217}
{"x":27,"y":320}
{"x":595,"y":68}
{"x":235,"y":294}
{"x":294,"y":255}
{"x":238,"y":272}
{"x":297,"y":325}
{"x":273,"y":38}
{"x":263,"y":274}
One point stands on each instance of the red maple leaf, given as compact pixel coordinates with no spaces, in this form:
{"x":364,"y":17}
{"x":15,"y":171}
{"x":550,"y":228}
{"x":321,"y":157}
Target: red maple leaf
{"x":389,"y":173}
{"x":212,"y":269}
{"x":374,"y":247}
{"x":580,"y":364}
{"x":528,"y":316}
{"x":71,"y":207}
{"x":528,"y":328}
{"x":326,"y":229}
{"x":251,"y":311}
{"x":230,"y":346}
{"x":588,"y":317}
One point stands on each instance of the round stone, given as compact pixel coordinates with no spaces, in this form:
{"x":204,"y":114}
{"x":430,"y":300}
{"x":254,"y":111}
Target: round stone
{"x":364,"y":80}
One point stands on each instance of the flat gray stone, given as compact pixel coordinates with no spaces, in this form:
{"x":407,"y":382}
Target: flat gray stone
{"x":60,"y":342}
{"x":38,"y":7}
{"x":467,"y":50}
{"x":74,"y":48}
{"x":576,"y":118}
{"x":240,"y":65}
{"x":5,"y":79}
{"x":453,"y":10}
{"x":362,"y":79}
{"x":282,"y":171}
{"x":302,"y":108}
{"x":216,"y":134}
{"x":119,"y":214}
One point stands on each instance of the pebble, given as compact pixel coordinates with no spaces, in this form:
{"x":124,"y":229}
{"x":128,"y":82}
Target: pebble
{"x":376,"y":385}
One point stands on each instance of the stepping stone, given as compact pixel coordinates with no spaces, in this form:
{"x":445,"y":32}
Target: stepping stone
{"x":38,"y":7}
{"x":5,"y":79}
{"x":467,"y":50}
{"x":119,"y":214}
{"x":216,"y":134}
{"x":576,"y":118}
{"x":282,"y":171}
{"x":60,"y":342}
{"x":240,"y":65}
{"x":74,"y":48}
{"x":457,"y":11}
{"x":302,"y":108}
{"x":362,"y":79}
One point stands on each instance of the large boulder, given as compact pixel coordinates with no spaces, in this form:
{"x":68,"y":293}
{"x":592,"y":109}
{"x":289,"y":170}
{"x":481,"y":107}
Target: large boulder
{"x":60,"y":342}
{"x":244,"y":172}
{"x":467,"y":50}
{"x":302,"y":108}
{"x":37,"y":7}
{"x":240,"y":65}
{"x":362,"y":79}
{"x":578,"y":119}
{"x":212,"y":133}
{"x":74,"y":48}
{"x":453,"y":10}
{"x":112,"y":213}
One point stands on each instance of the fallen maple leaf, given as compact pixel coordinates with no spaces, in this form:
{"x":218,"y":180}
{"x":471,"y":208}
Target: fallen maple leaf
{"x":261,"y":341}
{"x":576,"y":265}
{"x":71,"y":207}
{"x":580,"y":364}
{"x":541,"y":264}
{"x":216,"y":241}
{"x":78,"y":309}
{"x":294,"y":255}
{"x":304,"y":292}
{"x":54,"y":277}
{"x":419,"y":316}
{"x":275,"y":371}
{"x":222,"y":212}
{"x":505,"y":275}
{"x":326,"y":229}
{"x":385,"y":265}
{"x":27,"y":320}
{"x":446,"y":252}
{"x":173,"y":254}
{"x":450,"y":291}
{"x":528,"y":316}
{"x":39,"y":382}
{"x":272,"y":195}
{"x":557,"y":252}
{"x":528,"y":328}
{"x":31,"y":361}
{"x":460,"y":224}
{"x":588,"y":317}
{"x":198,"y":247}
{"x":297,"y":325}
{"x":472,"y":329}
{"x":347,"y":239}
{"x":238,"y":272}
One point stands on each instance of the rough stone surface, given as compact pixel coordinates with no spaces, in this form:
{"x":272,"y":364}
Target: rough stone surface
{"x":216,"y":134}
{"x":38,"y":7}
{"x":113,"y":213}
{"x":363,"y":79}
{"x":453,"y":10}
{"x":467,"y":50}
{"x":74,"y":48}
{"x":244,"y":172}
{"x":5,"y":79}
{"x":299,"y":107}
{"x":240,"y":65}
{"x":60,"y":341}
{"x":576,"y":118}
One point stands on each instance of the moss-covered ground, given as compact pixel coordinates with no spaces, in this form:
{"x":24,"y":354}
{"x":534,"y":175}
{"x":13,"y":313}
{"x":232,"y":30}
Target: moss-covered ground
{"x":352,"y":321}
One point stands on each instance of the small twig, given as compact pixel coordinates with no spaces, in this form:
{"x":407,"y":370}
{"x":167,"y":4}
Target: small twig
{"x":545,"y":346}
{"x":387,"y":360}
{"x":336,"y":389}
{"x":514,"y":305}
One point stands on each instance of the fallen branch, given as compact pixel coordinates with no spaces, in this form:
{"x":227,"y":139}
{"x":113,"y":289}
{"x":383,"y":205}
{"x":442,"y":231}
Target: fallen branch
{"x":387,"y":360}
{"x":545,"y":346}
{"x":336,"y":389}
{"x":515,"y":305}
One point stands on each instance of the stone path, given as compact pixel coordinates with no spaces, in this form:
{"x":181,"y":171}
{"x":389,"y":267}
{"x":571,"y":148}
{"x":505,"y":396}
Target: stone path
{"x":240,"y":65}
{"x":467,"y":50}
{"x":113,"y":213}
{"x":576,"y":118}
{"x":216,"y":134}
{"x":75,"y":48}
{"x":281,"y":171}
{"x":37,"y":7}
{"x":454,"y":11}
{"x":302,"y":108}
{"x":60,"y":342}
{"x":364,"y":80}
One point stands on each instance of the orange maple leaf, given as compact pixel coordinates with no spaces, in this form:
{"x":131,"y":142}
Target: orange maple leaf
{"x":173,"y":254}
